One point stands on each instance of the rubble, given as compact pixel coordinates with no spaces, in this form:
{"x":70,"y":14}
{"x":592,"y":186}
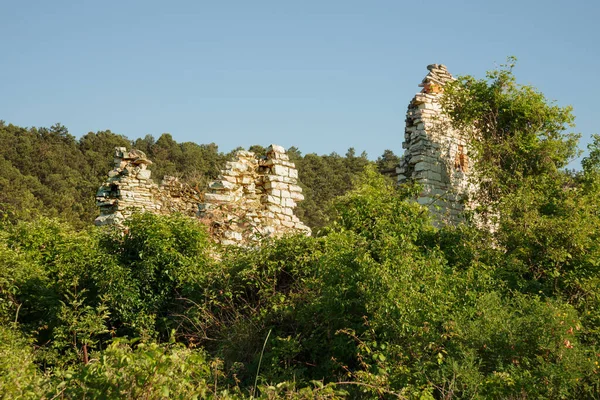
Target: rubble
{"x":254,"y":198}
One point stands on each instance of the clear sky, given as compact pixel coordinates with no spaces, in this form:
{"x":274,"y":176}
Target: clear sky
{"x":321,"y":75}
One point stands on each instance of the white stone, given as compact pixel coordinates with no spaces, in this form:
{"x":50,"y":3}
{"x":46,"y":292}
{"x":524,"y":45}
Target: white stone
{"x":275,"y":148}
{"x":220,"y":185}
{"x":297,"y":196}
{"x":288,"y":202}
{"x":233,"y":235}
{"x":215,"y":197}
{"x":280,"y":170}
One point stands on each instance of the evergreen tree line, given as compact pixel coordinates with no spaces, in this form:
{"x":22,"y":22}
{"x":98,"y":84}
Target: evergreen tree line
{"x":48,"y":172}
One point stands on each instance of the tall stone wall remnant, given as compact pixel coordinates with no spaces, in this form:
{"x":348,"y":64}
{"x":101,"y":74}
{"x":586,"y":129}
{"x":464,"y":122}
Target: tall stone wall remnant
{"x":252,"y":198}
{"x":436,"y":156}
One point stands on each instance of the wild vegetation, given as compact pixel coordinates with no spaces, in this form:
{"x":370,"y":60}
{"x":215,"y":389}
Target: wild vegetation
{"x":378,"y":304}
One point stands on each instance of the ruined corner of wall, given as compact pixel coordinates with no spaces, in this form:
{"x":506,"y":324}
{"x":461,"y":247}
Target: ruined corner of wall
{"x":436,"y":155}
{"x":130,"y":188}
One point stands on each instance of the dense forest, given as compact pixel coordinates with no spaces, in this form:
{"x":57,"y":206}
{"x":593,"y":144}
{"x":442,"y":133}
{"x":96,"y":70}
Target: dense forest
{"x":378,"y":303}
{"x":48,"y":172}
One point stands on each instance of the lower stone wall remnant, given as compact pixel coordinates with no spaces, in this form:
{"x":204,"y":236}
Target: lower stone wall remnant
{"x":252,"y":199}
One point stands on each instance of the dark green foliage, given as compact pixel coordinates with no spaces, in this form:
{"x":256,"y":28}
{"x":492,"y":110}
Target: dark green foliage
{"x":387,"y":162}
{"x":323,"y":178}
{"x":98,"y":148}
{"x":382,"y":303}
{"x":158,"y":259}
{"x":52,"y":174}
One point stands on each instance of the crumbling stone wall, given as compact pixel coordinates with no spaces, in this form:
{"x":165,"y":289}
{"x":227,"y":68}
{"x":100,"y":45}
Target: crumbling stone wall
{"x":129,"y":188}
{"x":255,"y":198}
{"x":252,"y":198}
{"x":436,"y":156}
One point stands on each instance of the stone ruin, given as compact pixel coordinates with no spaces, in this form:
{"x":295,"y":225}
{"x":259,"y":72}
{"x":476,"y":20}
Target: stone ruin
{"x":435,"y":156}
{"x":252,"y":198}
{"x":255,"y":197}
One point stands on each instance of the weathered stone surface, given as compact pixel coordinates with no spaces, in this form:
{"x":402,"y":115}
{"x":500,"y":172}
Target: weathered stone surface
{"x":266,"y":205}
{"x":436,"y":156}
{"x":129,"y":188}
{"x":144,"y":174}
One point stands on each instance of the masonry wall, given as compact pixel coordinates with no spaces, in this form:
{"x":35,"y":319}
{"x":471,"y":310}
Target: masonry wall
{"x":252,"y":199}
{"x":436,"y":156}
{"x":129,"y":188}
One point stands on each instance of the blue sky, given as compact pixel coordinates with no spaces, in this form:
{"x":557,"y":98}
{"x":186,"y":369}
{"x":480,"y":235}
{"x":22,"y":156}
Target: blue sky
{"x":320,"y":75}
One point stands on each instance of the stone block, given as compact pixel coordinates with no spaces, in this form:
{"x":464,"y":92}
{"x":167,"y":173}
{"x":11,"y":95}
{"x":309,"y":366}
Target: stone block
{"x":297,"y":196}
{"x":222,"y":185}
{"x":274,"y":208}
{"x":276,"y":185}
{"x":288,"y":224}
{"x":275,"y":149}
{"x":288,"y":202}
{"x":246,"y":180}
{"x":434,"y":176}
{"x":280,"y":170}
{"x":215,"y":197}
{"x":228,"y":178}
{"x":236,"y":166}
{"x":421,"y":166}
{"x":272,"y":178}
{"x":273,"y":199}
{"x":233,"y":235}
